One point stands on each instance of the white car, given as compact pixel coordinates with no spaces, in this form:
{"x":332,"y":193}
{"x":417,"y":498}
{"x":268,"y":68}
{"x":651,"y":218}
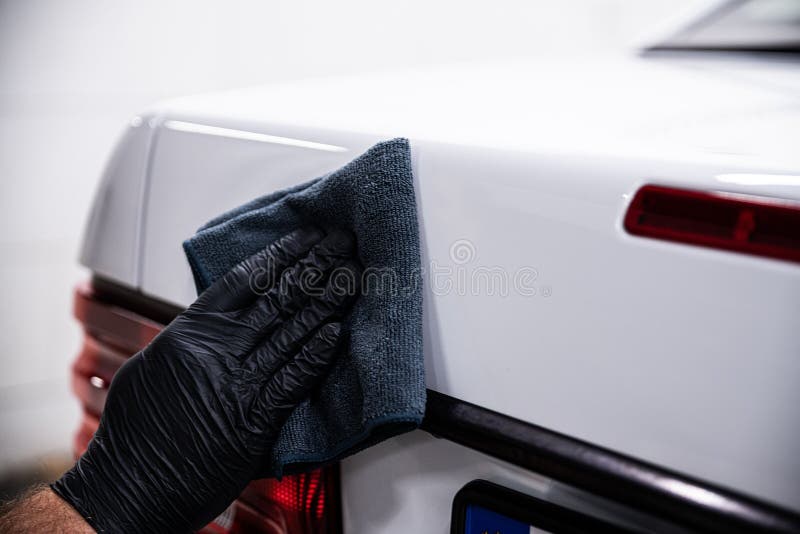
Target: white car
{"x":646,"y":373}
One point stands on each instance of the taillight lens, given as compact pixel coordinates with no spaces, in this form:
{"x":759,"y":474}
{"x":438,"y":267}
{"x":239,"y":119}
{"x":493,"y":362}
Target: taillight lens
{"x":296,"y":504}
{"x":740,"y":223}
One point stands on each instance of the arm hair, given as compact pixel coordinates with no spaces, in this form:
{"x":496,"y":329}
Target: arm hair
{"x":41,"y":510}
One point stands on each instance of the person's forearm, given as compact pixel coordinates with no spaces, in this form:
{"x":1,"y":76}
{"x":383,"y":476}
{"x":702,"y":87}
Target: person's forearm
{"x":41,"y":510}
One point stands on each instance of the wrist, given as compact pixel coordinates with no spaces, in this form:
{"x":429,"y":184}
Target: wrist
{"x":116,"y":496}
{"x":72,"y":520}
{"x":95,"y":494}
{"x":42,"y":510}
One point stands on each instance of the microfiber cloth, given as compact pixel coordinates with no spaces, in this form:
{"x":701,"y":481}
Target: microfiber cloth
{"x":377,"y":387}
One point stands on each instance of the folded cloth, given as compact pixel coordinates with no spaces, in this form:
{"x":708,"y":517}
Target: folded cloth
{"x":377,"y":388}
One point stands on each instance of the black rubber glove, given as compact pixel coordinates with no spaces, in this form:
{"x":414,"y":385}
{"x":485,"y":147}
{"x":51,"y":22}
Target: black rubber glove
{"x":189,"y":419}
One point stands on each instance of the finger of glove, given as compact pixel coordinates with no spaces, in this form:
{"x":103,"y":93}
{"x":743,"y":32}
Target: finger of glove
{"x":311,"y":271}
{"x":288,"y":339}
{"x":257,"y":274}
{"x":303,"y":280}
{"x":293,"y":382}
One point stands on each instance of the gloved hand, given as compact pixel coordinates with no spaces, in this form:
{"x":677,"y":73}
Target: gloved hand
{"x":190,"y":419}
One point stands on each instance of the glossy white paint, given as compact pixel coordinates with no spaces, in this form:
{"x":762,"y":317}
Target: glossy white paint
{"x":181,"y":198}
{"x":112,"y":241}
{"x":682,"y":356}
{"x":675,"y":109}
{"x":407,"y":484}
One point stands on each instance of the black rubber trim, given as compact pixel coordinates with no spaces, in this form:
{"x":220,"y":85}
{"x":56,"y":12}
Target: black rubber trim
{"x":663,"y":493}
{"x":526,"y":509}
{"x":791,"y":50}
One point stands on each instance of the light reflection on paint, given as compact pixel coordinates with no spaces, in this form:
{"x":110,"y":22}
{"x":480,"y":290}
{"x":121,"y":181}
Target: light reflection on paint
{"x":192,"y":127}
{"x":759,"y":179}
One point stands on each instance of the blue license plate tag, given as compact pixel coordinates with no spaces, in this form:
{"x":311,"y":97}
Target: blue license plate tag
{"x":480,"y":520}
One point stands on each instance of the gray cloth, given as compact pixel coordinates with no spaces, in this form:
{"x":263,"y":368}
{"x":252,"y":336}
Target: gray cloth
{"x":377,"y":388}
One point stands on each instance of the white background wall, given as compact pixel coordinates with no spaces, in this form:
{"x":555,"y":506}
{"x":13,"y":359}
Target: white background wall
{"x":71,"y":73}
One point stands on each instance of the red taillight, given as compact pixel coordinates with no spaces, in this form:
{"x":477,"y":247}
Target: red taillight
{"x":299,"y":504}
{"x":739,"y":223}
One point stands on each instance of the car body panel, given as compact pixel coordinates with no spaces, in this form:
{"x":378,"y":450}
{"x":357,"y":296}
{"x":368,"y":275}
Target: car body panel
{"x":407,"y":484}
{"x":682,"y":356}
{"x":112,"y":241}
